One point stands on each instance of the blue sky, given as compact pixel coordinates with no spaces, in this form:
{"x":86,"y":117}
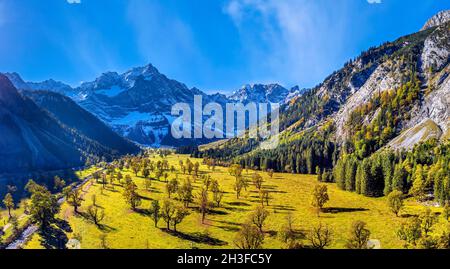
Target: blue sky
{"x":210,"y":44}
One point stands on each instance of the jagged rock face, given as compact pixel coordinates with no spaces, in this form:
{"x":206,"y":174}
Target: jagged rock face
{"x":436,"y":49}
{"x":17,"y":81}
{"x":379,"y":69}
{"x":436,"y":58}
{"x":47,"y":85}
{"x":438,"y":19}
{"x":55,"y":86}
{"x":382,"y":79}
{"x":259,"y":93}
{"x":137,"y":104}
{"x":436,"y":105}
{"x":433,"y":55}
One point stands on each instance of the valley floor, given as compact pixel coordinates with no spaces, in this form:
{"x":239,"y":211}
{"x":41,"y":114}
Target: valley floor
{"x":125,"y":229}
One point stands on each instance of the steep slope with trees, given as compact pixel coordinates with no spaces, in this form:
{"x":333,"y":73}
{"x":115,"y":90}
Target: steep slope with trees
{"x":73,"y":116}
{"x":34,"y":140}
{"x":347,"y":122}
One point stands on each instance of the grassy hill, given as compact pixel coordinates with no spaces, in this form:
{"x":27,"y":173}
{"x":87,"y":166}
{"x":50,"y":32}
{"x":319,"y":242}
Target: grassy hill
{"x":423,"y":131}
{"x":124,"y":228}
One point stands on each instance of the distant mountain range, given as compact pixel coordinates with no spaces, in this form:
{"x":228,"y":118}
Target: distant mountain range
{"x":260,"y":93}
{"x":137,"y":103}
{"x":64,"y":136}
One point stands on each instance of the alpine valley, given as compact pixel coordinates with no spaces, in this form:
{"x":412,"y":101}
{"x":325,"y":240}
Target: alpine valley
{"x":362,"y":160}
{"x":137,"y":104}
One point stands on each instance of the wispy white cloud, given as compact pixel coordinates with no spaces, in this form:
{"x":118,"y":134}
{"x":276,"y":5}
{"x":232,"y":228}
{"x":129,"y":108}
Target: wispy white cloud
{"x":294,"y":41}
{"x":374,"y":1}
{"x":74,"y":1}
{"x":163,"y":39}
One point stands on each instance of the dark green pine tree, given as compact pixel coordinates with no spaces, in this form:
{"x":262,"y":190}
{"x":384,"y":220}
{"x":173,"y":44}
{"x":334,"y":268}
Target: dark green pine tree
{"x":386,"y":162}
{"x":350,"y":174}
{"x":365,"y":177}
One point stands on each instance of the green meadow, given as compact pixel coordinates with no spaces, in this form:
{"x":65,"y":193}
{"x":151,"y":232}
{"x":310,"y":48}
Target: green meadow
{"x":123,"y":228}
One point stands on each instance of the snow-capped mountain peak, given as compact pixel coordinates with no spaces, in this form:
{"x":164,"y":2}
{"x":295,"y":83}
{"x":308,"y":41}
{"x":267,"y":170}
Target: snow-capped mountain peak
{"x":260,"y":93}
{"x":138,"y":102}
{"x":17,"y":81}
{"x":147,"y":72}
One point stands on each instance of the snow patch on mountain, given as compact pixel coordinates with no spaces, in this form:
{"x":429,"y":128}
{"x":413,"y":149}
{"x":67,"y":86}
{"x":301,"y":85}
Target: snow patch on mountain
{"x":137,"y":104}
{"x":111,"y":92}
{"x":260,"y":93}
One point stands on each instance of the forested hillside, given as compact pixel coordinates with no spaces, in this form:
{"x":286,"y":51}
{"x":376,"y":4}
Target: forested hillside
{"x":351,"y":128}
{"x":34,"y":140}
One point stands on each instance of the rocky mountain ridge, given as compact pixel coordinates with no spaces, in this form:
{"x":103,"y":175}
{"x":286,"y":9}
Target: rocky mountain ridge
{"x":414,"y":68}
{"x":438,"y":19}
{"x":137,"y":104}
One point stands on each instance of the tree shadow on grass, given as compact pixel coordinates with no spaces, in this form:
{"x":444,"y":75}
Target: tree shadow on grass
{"x":283,"y":208}
{"x":197,"y":237}
{"x":54,"y":236}
{"x":145,"y":198}
{"x":271,"y":233}
{"x":336,"y":210}
{"x":277,"y":192}
{"x":406,"y":215}
{"x":103,"y":227}
{"x":106,"y":228}
{"x":63,"y":225}
{"x":212,"y":211}
{"x":272,"y":189}
{"x":235,"y":209}
{"x":299,"y":234}
{"x":154,"y":190}
{"x":228,"y":222}
{"x":238,"y":204}
{"x":112,"y":190}
{"x":144,"y":212}
{"x":228,"y":228}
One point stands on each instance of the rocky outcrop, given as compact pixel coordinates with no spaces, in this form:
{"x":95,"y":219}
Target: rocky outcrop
{"x":436,"y":20}
{"x":260,"y":93}
{"x":436,"y":50}
{"x":436,"y":105}
{"x":382,"y":79}
{"x":433,"y":53}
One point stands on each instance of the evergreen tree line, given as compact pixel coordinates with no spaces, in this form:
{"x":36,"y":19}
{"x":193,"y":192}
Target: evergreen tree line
{"x":419,"y":172}
{"x":301,"y":156}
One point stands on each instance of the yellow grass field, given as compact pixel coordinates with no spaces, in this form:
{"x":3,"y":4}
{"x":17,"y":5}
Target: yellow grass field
{"x":125,"y":229}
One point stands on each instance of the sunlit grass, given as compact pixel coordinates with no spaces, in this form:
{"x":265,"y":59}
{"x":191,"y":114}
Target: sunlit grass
{"x":289,"y":194}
